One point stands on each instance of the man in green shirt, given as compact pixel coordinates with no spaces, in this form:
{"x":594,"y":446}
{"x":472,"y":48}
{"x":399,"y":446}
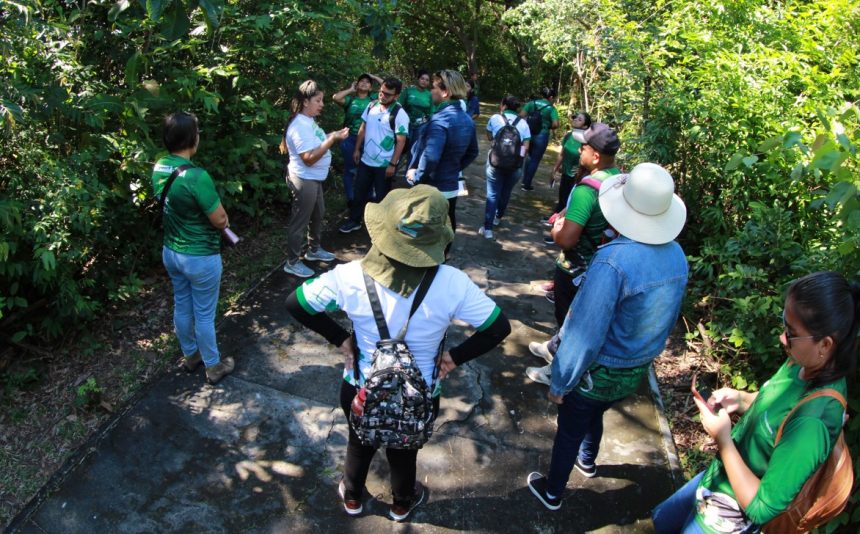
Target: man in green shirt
{"x":579,"y":232}
{"x":540,"y":139}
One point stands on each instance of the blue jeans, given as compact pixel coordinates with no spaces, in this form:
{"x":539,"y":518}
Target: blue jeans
{"x":500,"y":183}
{"x":196,"y":281}
{"x":580,"y":428}
{"x":536,"y":149}
{"x":347,"y":147}
{"x":678,"y":512}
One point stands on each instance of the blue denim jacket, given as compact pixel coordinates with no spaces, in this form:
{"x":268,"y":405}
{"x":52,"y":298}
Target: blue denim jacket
{"x":447,"y":145}
{"x":627,"y":304}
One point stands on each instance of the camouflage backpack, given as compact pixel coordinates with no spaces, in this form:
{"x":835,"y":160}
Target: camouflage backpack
{"x":398,"y":406}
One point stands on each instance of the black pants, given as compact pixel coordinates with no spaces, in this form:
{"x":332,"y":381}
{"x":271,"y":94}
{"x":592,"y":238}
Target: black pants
{"x":452,"y":215}
{"x":401,"y":462}
{"x":367,"y":178}
{"x":564,"y":189}
{"x":564,"y":293}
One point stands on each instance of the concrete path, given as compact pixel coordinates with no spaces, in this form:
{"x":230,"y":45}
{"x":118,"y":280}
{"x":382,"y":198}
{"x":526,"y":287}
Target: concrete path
{"x":262,"y":451}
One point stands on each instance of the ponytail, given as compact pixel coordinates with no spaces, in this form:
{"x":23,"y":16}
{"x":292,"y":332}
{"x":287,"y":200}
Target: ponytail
{"x":307,"y":90}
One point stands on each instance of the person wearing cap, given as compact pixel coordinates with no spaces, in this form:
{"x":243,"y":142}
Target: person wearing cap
{"x":354,"y":100}
{"x":409,"y":231}
{"x":619,"y":321}
{"x":578,"y":231}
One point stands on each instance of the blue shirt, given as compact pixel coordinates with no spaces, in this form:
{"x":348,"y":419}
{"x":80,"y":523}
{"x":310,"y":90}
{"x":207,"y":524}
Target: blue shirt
{"x":448,"y":144}
{"x":627,"y":304}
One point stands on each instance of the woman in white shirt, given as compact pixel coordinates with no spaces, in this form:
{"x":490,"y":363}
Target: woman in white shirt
{"x":310,"y":159}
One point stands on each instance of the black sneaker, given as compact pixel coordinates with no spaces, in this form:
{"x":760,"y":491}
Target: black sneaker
{"x":549,"y":241}
{"x":586,"y":470}
{"x":537,"y":485}
{"x":399,"y":512}
{"x":349,"y":226}
{"x":544,"y":221}
{"x":527,"y":188}
{"x":550,"y":296}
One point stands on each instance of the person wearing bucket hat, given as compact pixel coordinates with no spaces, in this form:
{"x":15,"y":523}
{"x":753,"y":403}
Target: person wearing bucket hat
{"x":409,"y":231}
{"x":578,"y":230}
{"x":631,"y":296}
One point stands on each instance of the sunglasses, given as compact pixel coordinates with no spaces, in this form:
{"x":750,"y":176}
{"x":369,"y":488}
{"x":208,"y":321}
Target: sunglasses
{"x":788,"y":338}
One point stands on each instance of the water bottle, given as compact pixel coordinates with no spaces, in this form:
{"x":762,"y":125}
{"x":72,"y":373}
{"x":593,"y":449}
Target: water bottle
{"x":358,"y":402}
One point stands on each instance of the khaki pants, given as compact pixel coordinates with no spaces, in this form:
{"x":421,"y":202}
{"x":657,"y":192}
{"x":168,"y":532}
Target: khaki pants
{"x":306,"y":217}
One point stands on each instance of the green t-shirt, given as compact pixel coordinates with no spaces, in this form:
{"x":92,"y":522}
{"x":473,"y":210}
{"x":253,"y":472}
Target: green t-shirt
{"x":806,"y":443}
{"x":584,"y":210}
{"x":548,"y":112}
{"x":610,"y":384}
{"x":190,"y":200}
{"x":353,"y":107}
{"x":569,"y":154}
{"x":417,"y":103}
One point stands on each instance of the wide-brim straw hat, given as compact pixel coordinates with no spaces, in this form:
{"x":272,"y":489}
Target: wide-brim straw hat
{"x":642,"y":205}
{"x":411,"y":225}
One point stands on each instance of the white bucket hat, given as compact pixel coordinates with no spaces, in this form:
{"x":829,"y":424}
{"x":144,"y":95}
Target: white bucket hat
{"x":642,"y":205}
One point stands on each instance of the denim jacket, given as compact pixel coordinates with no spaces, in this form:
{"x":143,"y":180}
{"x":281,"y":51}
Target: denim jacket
{"x":627,"y":304}
{"x":448,"y":144}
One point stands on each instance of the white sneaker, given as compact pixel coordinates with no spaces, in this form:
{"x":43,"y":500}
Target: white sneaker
{"x":319,"y":254}
{"x":541,"y":375}
{"x":298,"y":269}
{"x":541,"y":350}
{"x":486,"y":232}
{"x":496,"y":221}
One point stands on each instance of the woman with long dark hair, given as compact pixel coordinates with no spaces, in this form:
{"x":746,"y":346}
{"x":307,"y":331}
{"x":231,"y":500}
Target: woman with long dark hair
{"x":756,"y":476}
{"x":310,"y":159}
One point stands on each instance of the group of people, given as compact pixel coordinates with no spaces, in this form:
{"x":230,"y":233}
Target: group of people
{"x":619,"y":283}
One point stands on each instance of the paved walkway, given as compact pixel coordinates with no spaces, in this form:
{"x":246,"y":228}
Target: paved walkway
{"x":262,"y":450}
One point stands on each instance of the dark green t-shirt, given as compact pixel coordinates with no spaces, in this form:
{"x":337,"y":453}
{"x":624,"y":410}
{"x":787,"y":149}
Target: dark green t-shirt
{"x":806,"y":443}
{"x":569,"y":154}
{"x":353,"y":107}
{"x":584,"y":210}
{"x":548,"y":113}
{"x":190,"y":200}
{"x":417,"y":103}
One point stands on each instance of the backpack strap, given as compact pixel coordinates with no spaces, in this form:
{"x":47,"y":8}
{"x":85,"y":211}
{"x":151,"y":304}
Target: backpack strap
{"x":592,"y":182}
{"x":828,"y":392}
{"x":392,"y":116}
{"x":176,"y":172}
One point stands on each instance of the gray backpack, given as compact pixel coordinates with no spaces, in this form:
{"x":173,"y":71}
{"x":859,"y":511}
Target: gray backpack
{"x":398,"y":406}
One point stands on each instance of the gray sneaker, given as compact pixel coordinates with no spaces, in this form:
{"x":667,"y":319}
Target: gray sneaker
{"x":190,"y":363}
{"x":298,"y":269}
{"x":541,"y":350}
{"x":496,"y":221}
{"x":541,"y":375}
{"x":220,"y":369}
{"x":319,"y":254}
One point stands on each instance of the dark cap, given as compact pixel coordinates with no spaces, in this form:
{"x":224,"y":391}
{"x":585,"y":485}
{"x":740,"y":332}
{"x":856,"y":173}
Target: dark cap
{"x":600,"y":137}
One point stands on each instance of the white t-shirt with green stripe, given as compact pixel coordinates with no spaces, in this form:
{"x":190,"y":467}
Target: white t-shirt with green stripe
{"x":451,"y":296}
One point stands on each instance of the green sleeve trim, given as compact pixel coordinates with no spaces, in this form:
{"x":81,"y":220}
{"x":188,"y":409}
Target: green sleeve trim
{"x":491,"y":319}
{"x":214,"y":207}
{"x":303,"y":302}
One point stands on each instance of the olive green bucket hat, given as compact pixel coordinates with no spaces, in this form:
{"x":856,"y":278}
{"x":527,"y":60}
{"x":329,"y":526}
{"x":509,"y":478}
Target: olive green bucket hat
{"x":411,"y":226}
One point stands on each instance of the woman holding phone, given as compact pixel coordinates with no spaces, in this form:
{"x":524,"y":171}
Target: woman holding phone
{"x":756,"y":476}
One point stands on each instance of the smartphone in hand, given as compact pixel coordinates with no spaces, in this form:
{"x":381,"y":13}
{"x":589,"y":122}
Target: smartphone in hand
{"x":703,"y":388}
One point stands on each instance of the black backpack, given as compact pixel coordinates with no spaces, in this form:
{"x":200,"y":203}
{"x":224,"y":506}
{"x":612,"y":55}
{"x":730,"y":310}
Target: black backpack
{"x":398,"y":403}
{"x":393,"y":110}
{"x":535,"y":119}
{"x":507,"y":145}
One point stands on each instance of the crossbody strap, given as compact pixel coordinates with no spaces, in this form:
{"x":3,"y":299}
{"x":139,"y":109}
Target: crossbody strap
{"x":373,"y":297}
{"x":176,"y":172}
{"x":829,"y":392}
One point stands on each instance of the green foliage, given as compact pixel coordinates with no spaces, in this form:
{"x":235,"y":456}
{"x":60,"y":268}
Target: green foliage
{"x":88,"y":394}
{"x":84,"y":88}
